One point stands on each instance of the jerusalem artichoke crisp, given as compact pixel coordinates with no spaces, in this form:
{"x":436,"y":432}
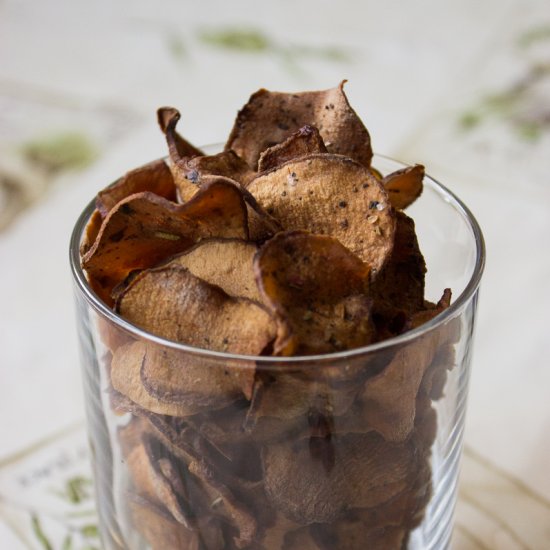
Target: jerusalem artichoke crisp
{"x":287,"y":243}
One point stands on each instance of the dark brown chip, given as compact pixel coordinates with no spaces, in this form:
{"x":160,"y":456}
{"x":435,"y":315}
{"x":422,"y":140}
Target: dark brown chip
{"x":305,"y":141}
{"x":317,"y":286}
{"x":226,"y":163}
{"x":152,"y":484}
{"x":226,"y":504}
{"x":367,"y":472}
{"x":172,"y":303}
{"x":271,"y":117}
{"x":389,"y":398}
{"x":290,"y":396}
{"x":90,"y":234}
{"x":144,"y":229}
{"x":398,"y":290}
{"x":178,"y":147}
{"x":126,"y":379}
{"x":154,"y":177}
{"x":193,"y":384}
{"x":227,"y":263}
{"x":331,"y":195}
{"x":404,"y":186}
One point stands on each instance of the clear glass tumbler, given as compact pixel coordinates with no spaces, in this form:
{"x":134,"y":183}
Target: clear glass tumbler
{"x":195,"y":449}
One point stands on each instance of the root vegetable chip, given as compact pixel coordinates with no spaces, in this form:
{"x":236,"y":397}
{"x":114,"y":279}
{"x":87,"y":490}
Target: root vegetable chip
{"x":242,"y":518}
{"x":143,"y":229}
{"x":227,"y":164}
{"x":389,"y":398}
{"x":271,"y":117}
{"x":398,"y":290}
{"x":404,"y":186}
{"x":367,"y":472}
{"x":295,"y":407}
{"x":159,"y":529}
{"x":225,"y":263}
{"x":305,"y":141}
{"x":286,"y":243}
{"x":178,"y":147}
{"x":331,"y":195}
{"x":154,"y":177}
{"x":126,"y":379}
{"x":317,"y":286}
{"x":172,"y":303}
{"x":191,"y":383}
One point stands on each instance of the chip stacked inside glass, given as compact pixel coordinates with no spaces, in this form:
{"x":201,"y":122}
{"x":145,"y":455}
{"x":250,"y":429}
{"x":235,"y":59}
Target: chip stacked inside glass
{"x":288,"y":243}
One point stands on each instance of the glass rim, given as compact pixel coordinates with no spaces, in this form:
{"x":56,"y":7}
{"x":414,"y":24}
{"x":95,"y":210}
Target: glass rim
{"x":454,"y":309}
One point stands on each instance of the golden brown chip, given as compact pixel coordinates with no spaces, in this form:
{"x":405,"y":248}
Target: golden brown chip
{"x":270,"y":117}
{"x":331,"y":195}
{"x":150,"y":482}
{"x":390,"y":397}
{"x":404,"y":186}
{"x":317,"y":286}
{"x":172,"y":303}
{"x":226,"y":163}
{"x":126,"y":378}
{"x":227,"y":263}
{"x":261,"y":225}
{"x":154,"y":177}
{"x":143,"y":229}
{"x":178,"y":147}
{"x":159,"y":529}
{"x":90,"y":234}
{"x":367,"y":472}
{"x":305,"y":141}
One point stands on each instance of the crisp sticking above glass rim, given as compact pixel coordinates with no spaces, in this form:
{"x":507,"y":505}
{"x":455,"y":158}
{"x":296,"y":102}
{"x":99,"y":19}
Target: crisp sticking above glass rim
{"x":276,"y":218}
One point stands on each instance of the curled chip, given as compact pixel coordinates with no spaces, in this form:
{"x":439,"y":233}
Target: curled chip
{"x":398,"y":290}
{"x":154,"y":177}
{"x":390,"y":397}
{"x":404,"y":186}
{"x":318,"y":287}
{"x":192,"y":385}
{"x":179,"y":150}
{"x":227,"y":263}
{"x":226,"y":164}
{"x":305,"y":141}
{"x":178,"y":147}
{"x":331,"y":195}
{"x":174,"y":304}
{"x":144,"y":229}
{"x":270,"y":117}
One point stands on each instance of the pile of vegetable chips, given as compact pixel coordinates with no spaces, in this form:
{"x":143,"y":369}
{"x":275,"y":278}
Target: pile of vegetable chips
{"x":288,"y":243}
